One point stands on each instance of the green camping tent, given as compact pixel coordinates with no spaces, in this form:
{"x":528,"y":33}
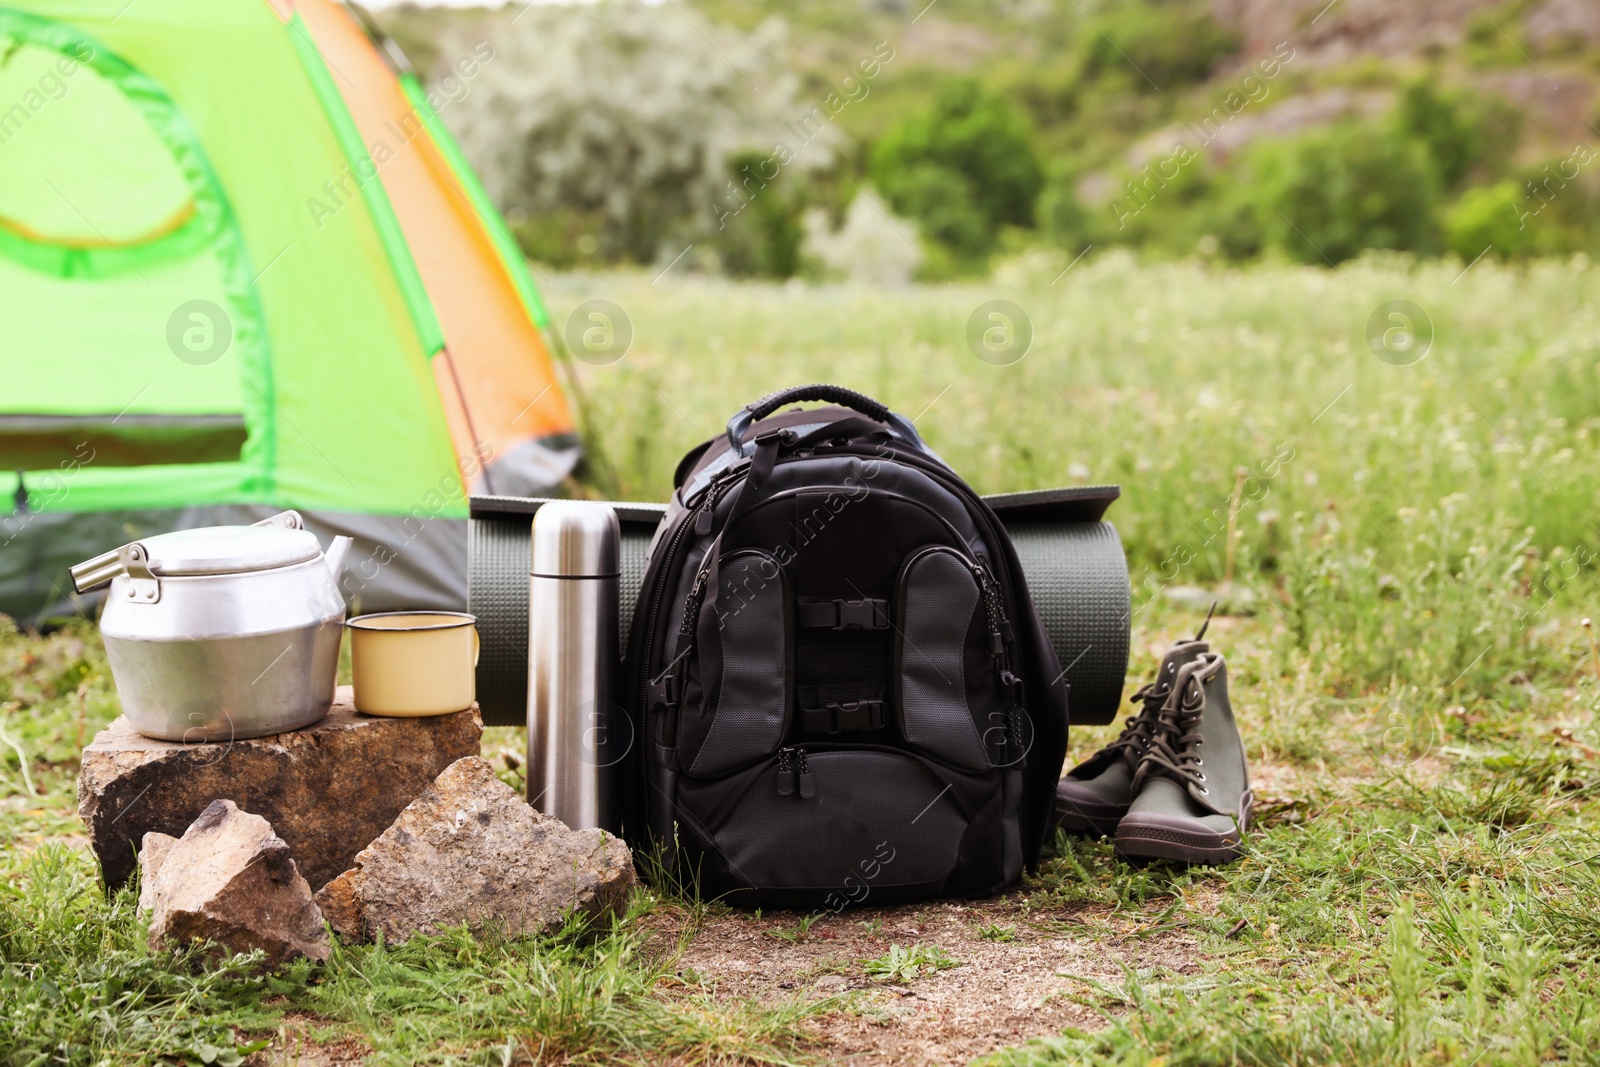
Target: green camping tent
{"x":219,"y":298}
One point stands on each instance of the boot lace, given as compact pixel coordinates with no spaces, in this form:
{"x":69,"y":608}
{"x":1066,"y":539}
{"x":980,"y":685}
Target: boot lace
{"x":1174,"y":750}
{"x":1138,"y":731}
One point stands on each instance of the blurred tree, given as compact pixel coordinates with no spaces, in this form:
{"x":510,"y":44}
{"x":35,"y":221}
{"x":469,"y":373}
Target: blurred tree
{"x":1232,"y":216}
{"x":1489,"y":219}
{"x":1465,"y":134}
{"x":1556,"y":205}
{"x":1167,"y":43}
{"x":764,"y":237}
{"x":962,"y":169}
{"x":626,"y":114}
{"x":1062,"y":214}
{"x":1336,"y":191}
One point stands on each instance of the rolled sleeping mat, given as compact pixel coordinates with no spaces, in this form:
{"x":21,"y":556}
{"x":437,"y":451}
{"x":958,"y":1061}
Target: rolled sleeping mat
{"x":1073,"y":560}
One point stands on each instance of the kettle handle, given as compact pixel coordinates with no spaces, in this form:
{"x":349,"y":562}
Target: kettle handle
{"x":96,"y":573}
{"x":284,"y":520}
{"x":132,"y":559}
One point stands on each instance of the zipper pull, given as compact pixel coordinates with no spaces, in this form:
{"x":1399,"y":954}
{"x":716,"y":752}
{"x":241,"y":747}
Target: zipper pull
{"x":691,"y":606}
{"x":785,"y":775}
{"x":808,"y":784}
{"x":705,"y":509}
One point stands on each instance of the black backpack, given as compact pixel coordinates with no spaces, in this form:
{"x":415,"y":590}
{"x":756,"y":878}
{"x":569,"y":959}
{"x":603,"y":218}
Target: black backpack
{"x":838,"y":682}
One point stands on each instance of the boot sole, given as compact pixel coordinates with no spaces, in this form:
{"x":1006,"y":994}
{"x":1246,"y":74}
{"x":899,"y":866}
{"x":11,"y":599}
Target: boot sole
{"x":1089,"y":820}
{"x":1153,"y":837}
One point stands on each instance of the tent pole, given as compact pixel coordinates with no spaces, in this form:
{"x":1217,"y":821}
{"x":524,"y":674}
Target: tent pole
{"x":466,"y":412}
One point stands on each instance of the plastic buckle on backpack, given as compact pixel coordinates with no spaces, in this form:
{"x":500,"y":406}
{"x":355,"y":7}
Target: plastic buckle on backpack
{"x":862,"y":615}
{"x":856,"y":717}
{"x":665,"y":690}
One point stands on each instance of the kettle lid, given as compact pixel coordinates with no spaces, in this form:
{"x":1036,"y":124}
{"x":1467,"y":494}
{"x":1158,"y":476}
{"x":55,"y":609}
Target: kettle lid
{"x":229,"y":549}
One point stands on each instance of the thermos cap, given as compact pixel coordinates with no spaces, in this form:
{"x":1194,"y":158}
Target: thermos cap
{"x":575,"y":539}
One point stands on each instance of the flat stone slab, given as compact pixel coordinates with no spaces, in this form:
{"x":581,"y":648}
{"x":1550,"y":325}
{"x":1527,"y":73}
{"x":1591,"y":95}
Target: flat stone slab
{"x":327,"y":790}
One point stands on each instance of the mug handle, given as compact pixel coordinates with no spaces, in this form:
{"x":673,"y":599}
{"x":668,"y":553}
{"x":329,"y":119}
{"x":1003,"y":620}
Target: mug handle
{"x":476,"y":646}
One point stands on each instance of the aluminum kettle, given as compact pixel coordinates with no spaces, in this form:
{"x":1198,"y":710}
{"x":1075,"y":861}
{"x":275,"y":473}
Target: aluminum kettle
{"x":222,"y":632}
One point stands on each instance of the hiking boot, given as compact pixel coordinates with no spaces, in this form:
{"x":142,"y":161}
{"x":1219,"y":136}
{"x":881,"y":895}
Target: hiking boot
{"x":1192,"y":797}
{"x":1096,"y":793}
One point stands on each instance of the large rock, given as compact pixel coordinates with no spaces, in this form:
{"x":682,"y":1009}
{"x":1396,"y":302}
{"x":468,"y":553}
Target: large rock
{"x":471,"y":850}
{"x":229,"y":880}
{"x":327,"y":790}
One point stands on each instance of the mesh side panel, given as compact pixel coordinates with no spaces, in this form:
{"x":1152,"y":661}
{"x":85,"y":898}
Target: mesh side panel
{"x":1078,"y":578}
{"x":497,"y":577}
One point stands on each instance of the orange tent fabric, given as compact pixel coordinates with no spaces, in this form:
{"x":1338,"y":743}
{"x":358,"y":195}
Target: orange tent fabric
{"x":495,"y":374}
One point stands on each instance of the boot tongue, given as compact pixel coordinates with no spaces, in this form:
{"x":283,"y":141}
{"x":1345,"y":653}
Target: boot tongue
{"x":1179,"y":654}
{"x":1164,"y":758}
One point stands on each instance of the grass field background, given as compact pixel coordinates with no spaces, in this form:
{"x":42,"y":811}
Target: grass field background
{"x":1416,"y":546}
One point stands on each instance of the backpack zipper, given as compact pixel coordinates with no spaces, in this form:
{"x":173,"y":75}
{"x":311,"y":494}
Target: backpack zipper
{"x":999,"y":636}
{"x":664,"y":680}
{"x":785,"y":774}
{"x":708,"y":503}
{"x":792,"y":767}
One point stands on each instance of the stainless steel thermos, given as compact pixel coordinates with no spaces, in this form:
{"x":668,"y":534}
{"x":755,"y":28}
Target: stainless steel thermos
{"x":577,"y":734}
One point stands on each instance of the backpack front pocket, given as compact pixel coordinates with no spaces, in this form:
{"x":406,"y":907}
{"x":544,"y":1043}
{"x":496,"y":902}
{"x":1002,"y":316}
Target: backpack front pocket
{"x":939,"y":696}
{"x":838,"y":826}
{"x":743,"y":659}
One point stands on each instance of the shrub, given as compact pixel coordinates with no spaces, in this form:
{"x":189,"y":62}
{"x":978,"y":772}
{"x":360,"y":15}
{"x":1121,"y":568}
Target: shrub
{"x":870,"y":247}
{"x":1559,"y":204}
{"x":1488,"y":217}
{"x":945,"y":203}
{"x":1169,"y":44}
{"x":763,"y":236}
{"x":1062,"y":214}
{"x":962,"y":169}
{"x":1233,"y":214}
{"x":1339,"y":190}
{"x":1463,"y":133}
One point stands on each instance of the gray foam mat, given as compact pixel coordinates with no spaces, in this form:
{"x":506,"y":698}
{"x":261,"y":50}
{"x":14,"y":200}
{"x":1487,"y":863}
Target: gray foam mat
{"x":1076,"y":572}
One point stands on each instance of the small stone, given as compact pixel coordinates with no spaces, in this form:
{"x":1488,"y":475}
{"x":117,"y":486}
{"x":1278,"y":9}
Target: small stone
{"x":230,"y":880}
{"x":327,"y":790}
{"x":470,"y":850}
{"x":152,"y":854}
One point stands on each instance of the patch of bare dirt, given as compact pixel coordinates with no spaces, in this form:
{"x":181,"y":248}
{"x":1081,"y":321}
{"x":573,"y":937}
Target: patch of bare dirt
{"x":1002,"y":993}
{"x":295,"y":1045}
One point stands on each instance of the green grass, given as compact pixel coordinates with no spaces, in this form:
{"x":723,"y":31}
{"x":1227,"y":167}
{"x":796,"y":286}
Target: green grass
{"x":1404,"y":654}
{"x":908,"y":964}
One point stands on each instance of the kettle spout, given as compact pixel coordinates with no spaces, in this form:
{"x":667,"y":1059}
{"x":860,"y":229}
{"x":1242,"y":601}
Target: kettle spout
{"x":338,"y":551}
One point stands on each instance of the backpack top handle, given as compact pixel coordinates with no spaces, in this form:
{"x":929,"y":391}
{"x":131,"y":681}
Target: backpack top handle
{"x":740,"y":424}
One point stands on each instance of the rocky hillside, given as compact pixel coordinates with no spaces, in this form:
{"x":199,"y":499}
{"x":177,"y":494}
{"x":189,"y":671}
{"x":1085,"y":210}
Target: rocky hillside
{"x":1113,"y":92}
